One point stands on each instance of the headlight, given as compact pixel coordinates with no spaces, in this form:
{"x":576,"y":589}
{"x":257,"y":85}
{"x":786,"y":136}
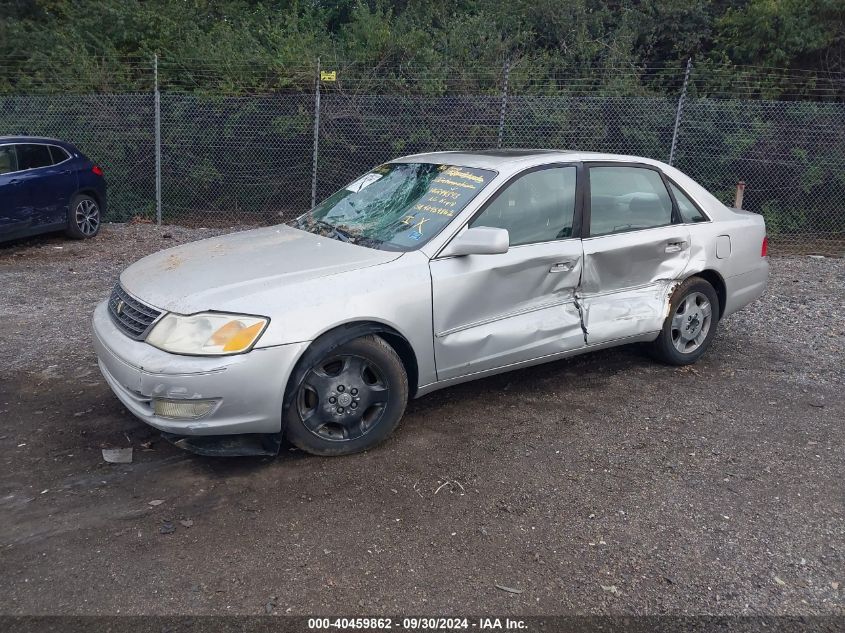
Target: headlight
{"x":210,"y":333}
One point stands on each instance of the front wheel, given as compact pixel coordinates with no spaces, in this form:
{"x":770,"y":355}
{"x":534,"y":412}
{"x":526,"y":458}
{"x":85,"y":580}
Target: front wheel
{"x":690,"y":325}
{"x":349,"y":399}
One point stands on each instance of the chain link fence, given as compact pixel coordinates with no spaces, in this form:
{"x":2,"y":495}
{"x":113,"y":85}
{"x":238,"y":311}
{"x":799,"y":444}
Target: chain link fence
{"x":791,"y":155}
{"x":264,"y":156}
{"x":118,"y":131}
{"x":235,"y":160}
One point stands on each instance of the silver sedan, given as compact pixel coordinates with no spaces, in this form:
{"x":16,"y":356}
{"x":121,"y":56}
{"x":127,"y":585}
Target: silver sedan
{"x":427,"y":271}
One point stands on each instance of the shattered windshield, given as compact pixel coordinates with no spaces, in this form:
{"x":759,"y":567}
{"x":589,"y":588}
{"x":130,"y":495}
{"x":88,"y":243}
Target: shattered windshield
{"x":396,"y":206}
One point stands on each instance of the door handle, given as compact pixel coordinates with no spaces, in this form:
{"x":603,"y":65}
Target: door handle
{"x":562,"y":267}
{"x":676,"y":247}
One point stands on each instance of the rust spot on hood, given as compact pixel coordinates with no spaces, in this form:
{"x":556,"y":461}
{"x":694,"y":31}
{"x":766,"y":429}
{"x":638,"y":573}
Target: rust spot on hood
{"x":173,"y":262}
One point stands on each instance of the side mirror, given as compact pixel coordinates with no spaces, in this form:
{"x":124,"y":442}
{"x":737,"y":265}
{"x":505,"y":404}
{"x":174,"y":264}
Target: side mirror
{"x":481,"y":240}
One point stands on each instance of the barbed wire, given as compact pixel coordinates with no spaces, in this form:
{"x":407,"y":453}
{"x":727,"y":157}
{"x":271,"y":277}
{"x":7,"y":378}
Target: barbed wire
{"x":255,"y":76}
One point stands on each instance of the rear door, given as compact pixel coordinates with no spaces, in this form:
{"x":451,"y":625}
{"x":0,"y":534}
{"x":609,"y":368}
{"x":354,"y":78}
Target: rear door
{"x":635,"y":247}
{"x":496,"y":310}
{"x":15,"y":205}
{"x":65,"y":182}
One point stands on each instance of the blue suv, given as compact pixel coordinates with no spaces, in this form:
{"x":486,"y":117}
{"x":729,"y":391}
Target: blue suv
{"x":48,"y":185}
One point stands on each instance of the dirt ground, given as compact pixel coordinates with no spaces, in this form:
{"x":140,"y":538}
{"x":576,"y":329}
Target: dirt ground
{"x":605,"y":484}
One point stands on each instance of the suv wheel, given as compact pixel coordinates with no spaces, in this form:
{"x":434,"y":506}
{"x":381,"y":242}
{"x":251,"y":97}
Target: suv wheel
{"x":83,"y":217}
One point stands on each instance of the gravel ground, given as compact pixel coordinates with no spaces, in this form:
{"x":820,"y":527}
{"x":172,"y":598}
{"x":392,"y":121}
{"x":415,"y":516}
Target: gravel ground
{"x":604,"y":484}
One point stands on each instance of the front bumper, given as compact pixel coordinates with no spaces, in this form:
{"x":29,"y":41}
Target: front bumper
{"x":249,"y":388}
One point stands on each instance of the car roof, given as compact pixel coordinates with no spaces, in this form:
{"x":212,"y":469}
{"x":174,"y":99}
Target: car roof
{"x":509,"y":162}
{"x":510,"y":159}
{"x":34,"y":139}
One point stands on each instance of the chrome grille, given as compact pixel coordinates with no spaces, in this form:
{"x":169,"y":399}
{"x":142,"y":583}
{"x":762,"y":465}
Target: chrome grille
{"x":130,"y":315}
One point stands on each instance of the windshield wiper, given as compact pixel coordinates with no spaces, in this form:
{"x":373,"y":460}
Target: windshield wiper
{"x":334,"y":232}
{"x":344,"y":235}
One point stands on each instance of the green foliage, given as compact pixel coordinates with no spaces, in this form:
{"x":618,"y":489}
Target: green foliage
{"x":237,"y":78}
{"x":784,"y":33}
{"x":242,"y":46}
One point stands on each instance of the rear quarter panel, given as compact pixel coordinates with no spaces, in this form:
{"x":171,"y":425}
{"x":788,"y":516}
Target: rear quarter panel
{"x":738,"y":261}
{"x":90,"y":183}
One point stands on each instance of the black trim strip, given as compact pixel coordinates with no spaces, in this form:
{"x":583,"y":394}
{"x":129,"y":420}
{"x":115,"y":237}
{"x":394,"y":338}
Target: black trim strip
{"x":669,"y":181}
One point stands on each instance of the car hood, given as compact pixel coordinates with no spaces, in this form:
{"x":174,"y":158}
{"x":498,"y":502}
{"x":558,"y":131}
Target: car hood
{"x":227,"y":272}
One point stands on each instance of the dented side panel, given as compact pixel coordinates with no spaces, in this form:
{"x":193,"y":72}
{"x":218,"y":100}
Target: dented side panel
{"x":494,"y":310}
{"x":627,"y":313}
{"x":628,"y":279}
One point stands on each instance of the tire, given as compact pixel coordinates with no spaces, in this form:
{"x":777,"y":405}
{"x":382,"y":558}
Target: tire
{"x":83,"y":217}
{"x":347,"y":398}
{"x":690,"y":325}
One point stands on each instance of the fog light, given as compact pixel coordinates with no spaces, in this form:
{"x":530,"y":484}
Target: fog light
{"x":182,"y":409}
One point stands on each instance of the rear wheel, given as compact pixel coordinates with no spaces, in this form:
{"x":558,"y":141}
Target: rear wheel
{"x":691,"y":324}
{"x":348,"y":398}
{"x":83,"y":219}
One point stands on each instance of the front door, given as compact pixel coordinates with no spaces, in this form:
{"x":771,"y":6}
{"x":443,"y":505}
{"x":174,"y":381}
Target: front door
{"x":491,"y":311}
{"x":15,"y":205}
{"x":635,"y":249}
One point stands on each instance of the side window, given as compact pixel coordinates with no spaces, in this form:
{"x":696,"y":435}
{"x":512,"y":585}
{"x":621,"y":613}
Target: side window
{"x":537,"y":207}
{"x":31,"y":156}
{"x":689,"y":212}
{"x":58,"y":154}
{"x":8,"y":159}
{"x":627,"y":199}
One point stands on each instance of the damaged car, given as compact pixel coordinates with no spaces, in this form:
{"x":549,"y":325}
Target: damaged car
{"x":427,"y":271}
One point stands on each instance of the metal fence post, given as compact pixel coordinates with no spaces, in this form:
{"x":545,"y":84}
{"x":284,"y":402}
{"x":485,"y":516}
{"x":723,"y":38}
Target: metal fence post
{"x":680,"y":110}
{"x":504,"y":106}
{"x":157,"y":139}
{"x":316,"y":138}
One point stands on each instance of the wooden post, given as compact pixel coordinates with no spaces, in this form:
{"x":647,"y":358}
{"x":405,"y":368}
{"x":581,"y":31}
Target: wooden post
{"x":740,"y":192}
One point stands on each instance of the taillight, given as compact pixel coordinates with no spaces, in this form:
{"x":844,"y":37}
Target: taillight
{"x":765,"y":250}
{"x":97,"y":170}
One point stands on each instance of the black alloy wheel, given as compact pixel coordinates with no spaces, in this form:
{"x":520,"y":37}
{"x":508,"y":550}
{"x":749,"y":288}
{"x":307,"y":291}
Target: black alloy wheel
{"x":350,"y":399}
